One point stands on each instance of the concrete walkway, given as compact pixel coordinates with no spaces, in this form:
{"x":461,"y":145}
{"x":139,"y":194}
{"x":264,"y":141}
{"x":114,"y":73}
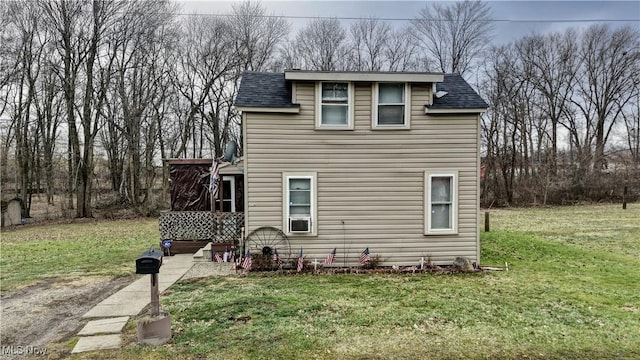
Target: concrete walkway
{"x":111,"y":314}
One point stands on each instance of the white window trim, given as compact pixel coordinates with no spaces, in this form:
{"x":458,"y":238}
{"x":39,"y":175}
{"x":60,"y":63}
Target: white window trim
{"x":407,"y":110}
{"x":350,"y":94}
{"x":428,"y":175}
{"x":285,"y":202}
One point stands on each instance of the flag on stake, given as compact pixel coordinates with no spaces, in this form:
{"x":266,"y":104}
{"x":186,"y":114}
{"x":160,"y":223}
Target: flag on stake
{"x":217,"y":257}
{"x":276,"y":257}
{"x":246,"y":263}
{"x":330,"y":257}
{"x":300,"y":261}
{"x":364,"y":257}
{"x":214,"y":179}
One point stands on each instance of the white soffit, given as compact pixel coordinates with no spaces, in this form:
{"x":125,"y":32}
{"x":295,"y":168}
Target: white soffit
{"x":414,"y":77}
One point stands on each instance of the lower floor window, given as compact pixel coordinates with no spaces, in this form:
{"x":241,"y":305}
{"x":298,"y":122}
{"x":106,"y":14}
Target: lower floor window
{"x":299,"y":202}
{"x":441,"y":202}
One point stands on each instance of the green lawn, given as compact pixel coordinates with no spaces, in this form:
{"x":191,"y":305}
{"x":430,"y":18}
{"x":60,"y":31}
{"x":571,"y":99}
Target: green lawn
{"x":36,"y":253}
{"x":572,"y":291}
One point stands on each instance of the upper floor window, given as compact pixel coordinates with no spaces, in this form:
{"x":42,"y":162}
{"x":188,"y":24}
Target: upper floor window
{"x":391,"y":105}
{"x":334,"y":110}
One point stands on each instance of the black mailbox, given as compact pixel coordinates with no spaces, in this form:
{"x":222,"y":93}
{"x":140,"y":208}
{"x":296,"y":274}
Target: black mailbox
{"x":149,"y":262}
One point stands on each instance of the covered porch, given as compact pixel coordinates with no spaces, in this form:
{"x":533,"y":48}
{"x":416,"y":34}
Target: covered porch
{"x":195,"y":218}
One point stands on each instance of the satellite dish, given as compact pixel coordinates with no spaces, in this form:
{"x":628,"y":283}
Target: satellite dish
{"x":230,"y":151}
{"x":440,"y":94}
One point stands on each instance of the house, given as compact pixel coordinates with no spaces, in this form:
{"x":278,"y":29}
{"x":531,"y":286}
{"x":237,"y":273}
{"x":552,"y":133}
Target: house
{"x":350,"y":160}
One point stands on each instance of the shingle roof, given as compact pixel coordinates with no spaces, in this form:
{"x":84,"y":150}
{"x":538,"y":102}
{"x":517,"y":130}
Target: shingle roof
{"x":460,"y":95}
{"x":260,"y":89}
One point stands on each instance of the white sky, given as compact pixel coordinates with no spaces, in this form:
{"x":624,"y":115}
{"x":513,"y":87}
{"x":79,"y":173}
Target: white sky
{"x":513,"y":18}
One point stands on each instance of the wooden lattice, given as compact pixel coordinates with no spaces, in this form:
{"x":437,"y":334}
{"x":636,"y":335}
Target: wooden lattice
{"x":201,"y":225}
{"x":229,"y":227}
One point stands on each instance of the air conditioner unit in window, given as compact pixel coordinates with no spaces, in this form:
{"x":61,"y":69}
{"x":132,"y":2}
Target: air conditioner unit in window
{"x":299,"y":225}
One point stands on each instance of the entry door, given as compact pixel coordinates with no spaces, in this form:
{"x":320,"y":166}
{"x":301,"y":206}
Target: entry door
{"x":228,"y":195}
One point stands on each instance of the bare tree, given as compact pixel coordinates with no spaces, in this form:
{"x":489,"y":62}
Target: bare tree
{"x":29,"y":48}
{"x":454,"y":35}
{"x":65,"y":21}
{"x":610,"y":74}
{"x":80,"y":28}
{"x":322,"y":46}
{"x":256,"y":35}
{"x":631,"y":116}
{"x":140,"y":67}
{"x":551,"y":66}
{"x":206,"y":58}
{"x":288,"y":56}
{"x":401,"y":51}
{"x":368,"y":40}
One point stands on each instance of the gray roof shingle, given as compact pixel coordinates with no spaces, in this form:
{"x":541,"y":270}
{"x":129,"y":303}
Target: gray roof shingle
{"x":271,"y":90}
{"x":460,"y":95}
{"x":261,"y":89}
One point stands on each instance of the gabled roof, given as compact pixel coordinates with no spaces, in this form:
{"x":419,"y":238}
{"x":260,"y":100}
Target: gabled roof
{"x":263,"y":91}
{"x":459,"y":95}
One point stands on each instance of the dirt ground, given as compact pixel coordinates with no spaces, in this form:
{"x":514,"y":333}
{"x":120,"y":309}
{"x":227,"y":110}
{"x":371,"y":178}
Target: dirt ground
{"x":45,"y":315}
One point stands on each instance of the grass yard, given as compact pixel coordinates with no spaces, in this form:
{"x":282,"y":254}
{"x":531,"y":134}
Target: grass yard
{"x":572,"y":291}
{"x":36,"y":253}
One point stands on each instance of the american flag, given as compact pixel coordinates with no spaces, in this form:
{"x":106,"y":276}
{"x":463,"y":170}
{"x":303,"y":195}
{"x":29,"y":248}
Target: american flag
{"x":330,"y":257}
{"x":364,"y":256}
{"x":276,"y":257}
{"x":214,"y":179}
{"x":246,"y":263}
{"x":217,"y":257}
{"x":300,"y":261}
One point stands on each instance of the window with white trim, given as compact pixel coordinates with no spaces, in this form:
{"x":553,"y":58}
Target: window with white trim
{"x":441,"y":202}
{"x":299,"y":203}
{"x":334,"y":109}
{"x":391,"y":105}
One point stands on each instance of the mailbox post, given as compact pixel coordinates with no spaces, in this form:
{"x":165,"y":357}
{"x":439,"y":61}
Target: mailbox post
{"x":149,"y":263}
{"x":156,"y":329}
{"x":155,"y":296}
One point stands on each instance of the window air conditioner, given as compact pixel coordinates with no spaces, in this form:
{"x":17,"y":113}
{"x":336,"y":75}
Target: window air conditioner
{"x":299,"y":225}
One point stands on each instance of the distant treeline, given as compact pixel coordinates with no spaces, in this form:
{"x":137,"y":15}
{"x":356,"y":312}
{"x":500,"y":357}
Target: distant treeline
{"x":94,"y":93}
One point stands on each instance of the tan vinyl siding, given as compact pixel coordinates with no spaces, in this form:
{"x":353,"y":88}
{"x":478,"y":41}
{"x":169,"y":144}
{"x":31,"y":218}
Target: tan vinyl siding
{"x":372,"y":180}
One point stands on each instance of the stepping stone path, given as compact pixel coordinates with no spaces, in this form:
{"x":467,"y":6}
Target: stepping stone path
{"x":111,"y":315}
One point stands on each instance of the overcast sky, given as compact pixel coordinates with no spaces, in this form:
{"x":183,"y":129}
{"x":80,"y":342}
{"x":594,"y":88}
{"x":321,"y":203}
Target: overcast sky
{"x":513,"y":19}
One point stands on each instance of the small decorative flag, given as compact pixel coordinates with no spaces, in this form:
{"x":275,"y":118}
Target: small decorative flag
{"x":364,"y":257}
{"x":276,"y":257}
{"x":300,"y":261}
{"x":330,"y":257}
{"x":217,"y":257}
{"x":246,"y":263}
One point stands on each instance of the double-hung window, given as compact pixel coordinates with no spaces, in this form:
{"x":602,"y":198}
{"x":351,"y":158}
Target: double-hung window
{"x":299,"y":203}
{"x":441,"y":202}
{"x":391,"y":105}
{"x":334,"y":109}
